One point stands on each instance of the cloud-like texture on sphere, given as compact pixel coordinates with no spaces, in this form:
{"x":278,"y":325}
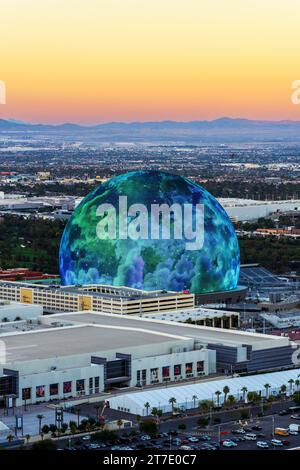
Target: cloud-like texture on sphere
{"x":150,"y":264}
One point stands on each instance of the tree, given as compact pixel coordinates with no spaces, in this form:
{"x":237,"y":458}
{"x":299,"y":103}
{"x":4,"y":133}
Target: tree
{"x":92,"y":421}
{"x":283,"y":389}
{"x":45,"y":429}
{"x":147,"y":406}
{"x":218,"y":393}
{"x":64,"y":427}
{"x":231,"y":399}
{"x":202,"y":422}
{"x":53,"y":428}
{"x":291,"y":382}
{"x":226,"y":390}
{"x":244,"y":390}
{"x":296,"y":398}
{"x":154,"y":411}
{"x":267,"y":387}
{"x":119,"y":423}
{"x":205,"y":405}
{"x":172,"y":402}
{"x":244,"y":414}
{"x":73,"y":429}
{"x":72,"y":423}
{"x":297,"y":383}
{"x":194,"y":398}
{"x":182,"y":426}
{"x":253,"y":397}
{"x":148,"y":427}
{"x":40,"y":417}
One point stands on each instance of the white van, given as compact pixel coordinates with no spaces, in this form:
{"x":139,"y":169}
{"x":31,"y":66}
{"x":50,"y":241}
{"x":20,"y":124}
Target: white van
{"x":250,"y":437}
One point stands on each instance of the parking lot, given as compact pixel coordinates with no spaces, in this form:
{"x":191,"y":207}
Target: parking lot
{"x":211,"y":438}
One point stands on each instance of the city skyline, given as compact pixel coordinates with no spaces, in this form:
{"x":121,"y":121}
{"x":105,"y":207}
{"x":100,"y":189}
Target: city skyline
{"x":99,"y":61}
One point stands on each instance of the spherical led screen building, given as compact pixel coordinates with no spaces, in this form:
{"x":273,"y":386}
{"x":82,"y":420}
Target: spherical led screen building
{"x":118,"y":236}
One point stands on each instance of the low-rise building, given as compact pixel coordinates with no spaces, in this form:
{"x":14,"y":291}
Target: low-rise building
{"x":99,"y":298}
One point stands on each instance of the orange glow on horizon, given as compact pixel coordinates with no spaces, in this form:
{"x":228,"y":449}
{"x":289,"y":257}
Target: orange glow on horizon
{"x":92,"y":61}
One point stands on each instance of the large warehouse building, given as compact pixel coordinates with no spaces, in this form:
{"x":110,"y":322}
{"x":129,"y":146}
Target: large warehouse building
{"x":85,"y":353}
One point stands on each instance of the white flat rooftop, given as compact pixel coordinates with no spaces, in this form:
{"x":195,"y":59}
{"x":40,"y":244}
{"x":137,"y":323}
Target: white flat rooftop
{"x":203,"y":333}
{"x":80,"y":339}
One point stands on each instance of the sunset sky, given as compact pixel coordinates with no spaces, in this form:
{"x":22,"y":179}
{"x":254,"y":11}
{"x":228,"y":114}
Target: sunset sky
{"x":91,"y":61}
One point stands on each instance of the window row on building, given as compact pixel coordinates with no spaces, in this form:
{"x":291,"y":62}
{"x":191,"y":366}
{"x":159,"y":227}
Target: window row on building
{"x":66,"y":388}
{"x":178,"y":371}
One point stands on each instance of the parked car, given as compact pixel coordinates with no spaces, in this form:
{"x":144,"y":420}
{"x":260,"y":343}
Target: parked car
{"x":204,"y":438}
{"x":238,"y":431}
{"x":193,"y":439}
{"x":250,"y":437}
{"x":229,"y":443}
{"x":285,"y":442}
{"x":256,"y":428}
{"x":238,"y":439}
{"x":295,"y":416}
{"x":145,"y":437}
{"x":276,"y":443}
{"x":186,"y":448}
{"x":262,"y":444}
{"x":86,"y":438}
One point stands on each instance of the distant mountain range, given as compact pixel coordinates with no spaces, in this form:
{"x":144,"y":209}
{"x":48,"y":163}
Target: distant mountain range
{"x":223,"y":129}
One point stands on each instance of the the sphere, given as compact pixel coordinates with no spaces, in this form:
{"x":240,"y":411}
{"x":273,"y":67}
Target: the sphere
{"x":147,"y":263}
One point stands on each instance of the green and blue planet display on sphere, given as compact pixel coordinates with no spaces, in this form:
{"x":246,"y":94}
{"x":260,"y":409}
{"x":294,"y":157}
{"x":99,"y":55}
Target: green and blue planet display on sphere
{"x":147,"y":263}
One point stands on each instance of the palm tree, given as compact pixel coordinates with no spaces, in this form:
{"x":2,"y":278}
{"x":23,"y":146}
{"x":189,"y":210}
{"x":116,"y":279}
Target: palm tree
{"x":194,"y":398}
{"x":218,"y":393}
{"x":172,"y":402}
{"x":297,"y":383}
{"x":244,"y":390}
{"x":27,"y":437}
{"x":154,"y":411}
{"x":119,"y":423}
{"x":205,"y":405}
{"x":283,"y":389}
{"x":291,"y":382}
{"x":267,"y":387}
{"x":147,"y":406}
{"x":40,"y":418}
{"x":226,"y":390}
{"x":231,"y":399}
